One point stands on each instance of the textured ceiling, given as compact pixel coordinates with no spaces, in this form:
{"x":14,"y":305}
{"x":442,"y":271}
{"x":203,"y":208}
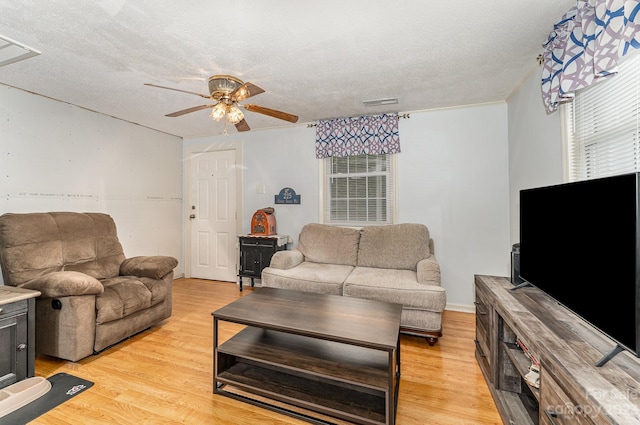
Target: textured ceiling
{"x":315,"y":59}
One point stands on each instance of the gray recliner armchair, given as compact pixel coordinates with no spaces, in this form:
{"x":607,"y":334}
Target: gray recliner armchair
{"x":92,"y":296}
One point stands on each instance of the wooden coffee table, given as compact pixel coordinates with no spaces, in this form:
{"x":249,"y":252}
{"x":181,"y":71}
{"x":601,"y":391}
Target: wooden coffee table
{"x":304,"y":354}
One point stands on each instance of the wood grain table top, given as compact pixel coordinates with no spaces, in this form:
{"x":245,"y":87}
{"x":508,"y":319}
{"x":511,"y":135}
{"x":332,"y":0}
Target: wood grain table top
{"x":366,"y":323}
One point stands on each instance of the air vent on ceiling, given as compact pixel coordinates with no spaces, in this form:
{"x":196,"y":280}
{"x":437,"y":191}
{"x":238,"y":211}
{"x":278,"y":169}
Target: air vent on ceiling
{"x":378,"y":102}
{"x":11,"y":51}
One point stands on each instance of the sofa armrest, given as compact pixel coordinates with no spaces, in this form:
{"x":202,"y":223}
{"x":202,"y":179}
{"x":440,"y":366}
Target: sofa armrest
{"x":428,"y":271}
{"x":153,"y":266}
{"x":64,"y":284}
{"x":286,"y":259}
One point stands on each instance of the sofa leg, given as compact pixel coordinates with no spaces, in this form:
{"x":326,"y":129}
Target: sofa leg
{"x":430,"y":336}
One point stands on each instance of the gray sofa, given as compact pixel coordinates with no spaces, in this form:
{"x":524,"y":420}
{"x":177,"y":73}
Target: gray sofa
{"x":393,"y":263}
{"x":92,"y":296}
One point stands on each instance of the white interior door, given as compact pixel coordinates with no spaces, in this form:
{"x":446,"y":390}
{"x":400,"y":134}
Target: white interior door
{"x":213,"y":215}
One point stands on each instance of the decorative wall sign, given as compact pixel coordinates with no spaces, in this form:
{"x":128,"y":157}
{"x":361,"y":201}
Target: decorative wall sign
{"x":287,"y":196}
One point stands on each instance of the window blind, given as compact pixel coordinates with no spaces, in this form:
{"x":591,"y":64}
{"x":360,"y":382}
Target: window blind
{"x":359,"y":190}
{"x":602,"y":123}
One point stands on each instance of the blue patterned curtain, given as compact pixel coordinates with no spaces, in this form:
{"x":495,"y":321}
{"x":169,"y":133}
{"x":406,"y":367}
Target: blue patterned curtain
{"x":585,"y":46}
{"x":369,"y":134}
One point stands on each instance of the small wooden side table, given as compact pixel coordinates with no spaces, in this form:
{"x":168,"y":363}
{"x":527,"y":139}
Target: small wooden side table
{"x":256,"y":253}
{"x":17,"y":334}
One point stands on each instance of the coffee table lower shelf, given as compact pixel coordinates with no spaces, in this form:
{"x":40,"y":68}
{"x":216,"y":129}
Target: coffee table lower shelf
{"x":342,"y":381}
{"x":306,"y":393}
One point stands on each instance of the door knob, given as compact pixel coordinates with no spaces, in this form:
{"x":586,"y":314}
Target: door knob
{"x":192,"y":216}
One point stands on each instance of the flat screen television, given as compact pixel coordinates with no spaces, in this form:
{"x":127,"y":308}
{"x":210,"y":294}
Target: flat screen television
{"x":579,"y":244}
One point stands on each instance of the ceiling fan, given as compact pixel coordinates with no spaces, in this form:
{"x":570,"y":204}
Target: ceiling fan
{"x":227,"y":91}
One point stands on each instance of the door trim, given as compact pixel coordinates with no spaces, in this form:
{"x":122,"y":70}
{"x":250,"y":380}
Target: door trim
{"x":189,"y":152}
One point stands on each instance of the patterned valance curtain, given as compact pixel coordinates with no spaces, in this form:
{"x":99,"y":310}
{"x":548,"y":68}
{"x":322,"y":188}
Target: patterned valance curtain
{"x":585,"y":46}
{"x":369,"y":134}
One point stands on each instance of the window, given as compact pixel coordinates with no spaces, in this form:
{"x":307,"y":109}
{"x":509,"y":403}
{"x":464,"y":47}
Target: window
{"x":359,"y":190}
{"x":601,"y":125}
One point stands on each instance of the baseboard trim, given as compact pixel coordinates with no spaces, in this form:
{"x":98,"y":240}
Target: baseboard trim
{"x":461,"y":308}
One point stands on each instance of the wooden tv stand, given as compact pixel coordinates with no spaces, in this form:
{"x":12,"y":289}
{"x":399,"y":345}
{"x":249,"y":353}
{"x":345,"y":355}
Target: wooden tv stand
{"x":572,"y":389}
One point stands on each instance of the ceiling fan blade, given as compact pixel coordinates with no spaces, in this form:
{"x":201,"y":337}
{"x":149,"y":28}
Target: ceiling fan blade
{"x":271,"y":112}
{"x":244,"y":91}
{"x":242,"y":126}
{"x":189,"y":110}
{"x":183,"y":91}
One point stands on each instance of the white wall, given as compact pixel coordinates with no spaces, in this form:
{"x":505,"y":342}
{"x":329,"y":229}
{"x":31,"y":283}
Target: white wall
{"x":535,"y":146}
{"x":58,"y":157}
{"x":281,"y":158}
{"x":452,"y":176}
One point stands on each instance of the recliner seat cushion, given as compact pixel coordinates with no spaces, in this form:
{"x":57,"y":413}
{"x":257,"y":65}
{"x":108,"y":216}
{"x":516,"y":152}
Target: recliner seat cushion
{"x":125,"y":295}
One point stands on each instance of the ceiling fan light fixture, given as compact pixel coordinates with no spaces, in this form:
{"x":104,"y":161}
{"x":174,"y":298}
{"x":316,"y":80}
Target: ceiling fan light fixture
{"x":220,"y":85}
{"x":234,"y":114}
{"x":226,"y":92}
{"x":218,"y":111}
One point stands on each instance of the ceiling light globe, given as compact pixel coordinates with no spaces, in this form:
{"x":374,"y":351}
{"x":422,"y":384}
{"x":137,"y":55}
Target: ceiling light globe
{"x":234,"y":114}
{"x":218,"y":111}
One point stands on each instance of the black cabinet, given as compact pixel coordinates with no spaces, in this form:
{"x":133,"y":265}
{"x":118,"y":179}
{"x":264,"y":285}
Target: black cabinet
{"x":17,"y":334}
{"x":256,"y":253}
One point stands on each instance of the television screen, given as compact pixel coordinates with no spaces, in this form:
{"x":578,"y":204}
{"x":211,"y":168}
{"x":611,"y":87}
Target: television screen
{"x":579,"y":244}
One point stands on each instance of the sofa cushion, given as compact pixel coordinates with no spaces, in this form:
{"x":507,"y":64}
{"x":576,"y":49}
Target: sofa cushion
{"x":395,"y":286}
{"x":90,"y":243}
{"x":30,"y":247}
{"x":309,"y":277}
{"x":22,"y":263}
{"x":394,"y":246}
{"x":125,"y":295}
{"x":321,"y":243}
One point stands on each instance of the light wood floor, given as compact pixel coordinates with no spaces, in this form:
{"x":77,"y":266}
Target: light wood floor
{"x":164,"y":375}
